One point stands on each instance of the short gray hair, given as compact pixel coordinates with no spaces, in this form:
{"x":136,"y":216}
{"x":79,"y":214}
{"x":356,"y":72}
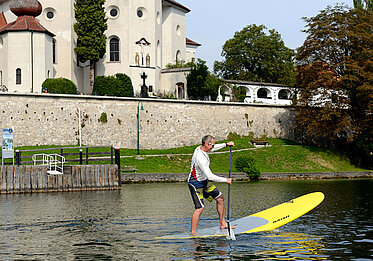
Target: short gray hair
{"x":207,"y":139}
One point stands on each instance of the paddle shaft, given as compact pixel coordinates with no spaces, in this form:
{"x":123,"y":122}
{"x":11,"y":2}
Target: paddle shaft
{"x":229,"y":188}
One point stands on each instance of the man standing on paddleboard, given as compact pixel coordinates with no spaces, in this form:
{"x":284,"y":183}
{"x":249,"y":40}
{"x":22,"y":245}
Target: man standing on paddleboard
{"x":199,"y":185}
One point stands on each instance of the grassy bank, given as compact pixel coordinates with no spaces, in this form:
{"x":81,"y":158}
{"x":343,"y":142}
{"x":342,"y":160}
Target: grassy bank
{"x":282,"y":156}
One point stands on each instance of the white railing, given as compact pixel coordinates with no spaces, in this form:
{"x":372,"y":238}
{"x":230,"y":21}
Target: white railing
{"x":53,"y":161}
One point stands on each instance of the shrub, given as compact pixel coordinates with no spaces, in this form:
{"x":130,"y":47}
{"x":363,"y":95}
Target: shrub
{"x":103,"y":118}
{"x":246,"y":164}
{"x":59,"y":85}
{"x":233,"y":135}
{"x":119,"y":85}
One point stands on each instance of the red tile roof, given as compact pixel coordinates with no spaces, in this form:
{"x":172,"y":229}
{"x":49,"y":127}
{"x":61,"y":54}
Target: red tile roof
{"x":25,"y":23}
{"x":173,"y":2}
{"x":191,"y":42}
{"x":2,"y":20}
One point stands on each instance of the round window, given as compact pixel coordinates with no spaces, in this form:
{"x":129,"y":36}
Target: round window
{"x":141,"y":13}
{"x":50,"y":15}
{"x":113,"y":12}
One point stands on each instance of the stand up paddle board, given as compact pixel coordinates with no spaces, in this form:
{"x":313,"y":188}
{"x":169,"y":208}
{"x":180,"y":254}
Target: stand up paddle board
{"x":265,"y":220}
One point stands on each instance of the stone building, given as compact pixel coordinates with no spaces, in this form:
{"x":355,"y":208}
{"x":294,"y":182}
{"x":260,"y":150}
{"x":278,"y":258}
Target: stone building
{"x":142,"y":38}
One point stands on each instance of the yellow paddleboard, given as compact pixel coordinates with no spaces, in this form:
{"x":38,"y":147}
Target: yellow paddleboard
{"x":262,"y":221}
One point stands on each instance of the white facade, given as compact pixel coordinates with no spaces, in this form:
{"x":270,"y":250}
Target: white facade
{"x":25,"y":59}
{"x":256,"y":92}
{"x":149,"y":35}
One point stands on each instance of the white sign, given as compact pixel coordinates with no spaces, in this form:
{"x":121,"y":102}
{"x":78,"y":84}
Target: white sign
{"x":8,"y":144}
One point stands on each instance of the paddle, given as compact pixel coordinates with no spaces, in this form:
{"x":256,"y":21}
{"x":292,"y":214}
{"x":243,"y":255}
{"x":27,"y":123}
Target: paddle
{"x":230,"y":234}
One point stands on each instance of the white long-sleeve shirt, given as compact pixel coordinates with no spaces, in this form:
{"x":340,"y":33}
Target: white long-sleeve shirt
{"x":200,"y":167}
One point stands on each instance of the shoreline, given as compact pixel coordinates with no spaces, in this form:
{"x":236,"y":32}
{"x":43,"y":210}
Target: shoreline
{"x":181,"y":177}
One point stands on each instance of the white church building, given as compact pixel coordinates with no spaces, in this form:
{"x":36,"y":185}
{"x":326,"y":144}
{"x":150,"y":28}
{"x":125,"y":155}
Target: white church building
{"x":37,"y":42}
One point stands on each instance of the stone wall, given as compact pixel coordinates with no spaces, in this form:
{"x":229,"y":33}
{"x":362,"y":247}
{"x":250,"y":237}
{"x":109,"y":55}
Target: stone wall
{"x":44,"y":119}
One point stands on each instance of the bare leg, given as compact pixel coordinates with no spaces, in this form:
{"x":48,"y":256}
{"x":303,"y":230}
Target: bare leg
{"x":221,"y":212}
{"x":195,"y":218}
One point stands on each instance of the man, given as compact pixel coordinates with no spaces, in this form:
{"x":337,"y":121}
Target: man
{"x":198,"y":182}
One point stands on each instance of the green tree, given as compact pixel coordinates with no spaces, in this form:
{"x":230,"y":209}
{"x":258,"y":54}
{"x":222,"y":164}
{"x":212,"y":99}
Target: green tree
{"x":364,"y":4}
{"x":255,"y":55}
{"x":201,"y":85}
{"x":90,"y":27}
{"x":336,"y":76}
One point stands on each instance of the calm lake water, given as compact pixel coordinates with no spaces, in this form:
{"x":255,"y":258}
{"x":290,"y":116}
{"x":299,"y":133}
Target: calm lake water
{"x":122,"y":225}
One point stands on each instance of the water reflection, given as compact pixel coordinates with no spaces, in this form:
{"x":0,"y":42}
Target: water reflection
{"x":294,"y":246}
{"x":122,"y":225}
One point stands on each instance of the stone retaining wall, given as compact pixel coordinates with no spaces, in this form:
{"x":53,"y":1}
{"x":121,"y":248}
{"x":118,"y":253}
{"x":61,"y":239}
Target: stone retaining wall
{"x":182,"y":177}
{"x":44,"y":119}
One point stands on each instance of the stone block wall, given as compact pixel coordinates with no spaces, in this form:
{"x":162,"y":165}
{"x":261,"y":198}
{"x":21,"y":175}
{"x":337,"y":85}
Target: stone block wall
{"x":44,"y":119}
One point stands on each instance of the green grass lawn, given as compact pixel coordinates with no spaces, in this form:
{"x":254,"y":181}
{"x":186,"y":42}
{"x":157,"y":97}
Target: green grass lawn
{"x":282,"y":156}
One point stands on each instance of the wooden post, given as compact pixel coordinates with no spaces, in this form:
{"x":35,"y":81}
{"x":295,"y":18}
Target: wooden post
{"x":86,"y":156}
{"x":18,"y":157}
{"x":117,"y":161}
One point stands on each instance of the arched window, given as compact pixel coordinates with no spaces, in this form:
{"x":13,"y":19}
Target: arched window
{"x":178,"y":56}
{"x":264,"y":93}
{"x":114,"y":49}
{"x":18,"y":76}
{"x":54,"y":50}
{"x":284,"y":94}
{"x":159,"y":54}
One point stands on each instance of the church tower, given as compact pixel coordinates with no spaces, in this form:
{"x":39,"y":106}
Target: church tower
{"x":26,"y":50}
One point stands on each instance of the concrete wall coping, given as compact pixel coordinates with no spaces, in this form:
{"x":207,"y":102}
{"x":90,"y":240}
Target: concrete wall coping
{"x":155,"y":100}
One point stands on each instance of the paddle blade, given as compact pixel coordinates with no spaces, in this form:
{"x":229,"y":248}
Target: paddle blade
{"x":230,"y":233}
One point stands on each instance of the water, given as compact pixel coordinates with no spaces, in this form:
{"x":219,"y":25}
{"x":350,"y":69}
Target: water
{"x":122,"y":225}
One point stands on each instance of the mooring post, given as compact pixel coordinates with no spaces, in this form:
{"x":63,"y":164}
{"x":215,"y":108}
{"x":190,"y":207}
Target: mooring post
{"x":117,"y":161}
{"x":81,"y":156}
{"x":18,"y":157}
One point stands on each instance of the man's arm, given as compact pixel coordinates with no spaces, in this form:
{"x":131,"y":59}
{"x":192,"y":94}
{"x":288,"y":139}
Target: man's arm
{"x":204,"y":166}
{"x":222,"y":145}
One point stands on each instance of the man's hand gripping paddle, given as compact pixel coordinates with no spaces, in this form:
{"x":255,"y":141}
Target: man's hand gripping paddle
{"x":230,"y":234}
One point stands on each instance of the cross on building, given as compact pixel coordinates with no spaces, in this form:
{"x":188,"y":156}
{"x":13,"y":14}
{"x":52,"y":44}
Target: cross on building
{"x":144,"y":88}
{"x":142,"y":43}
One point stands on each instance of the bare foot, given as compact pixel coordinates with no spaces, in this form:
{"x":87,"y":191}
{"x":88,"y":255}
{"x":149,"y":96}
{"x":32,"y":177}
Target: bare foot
{"x":226,"y":226}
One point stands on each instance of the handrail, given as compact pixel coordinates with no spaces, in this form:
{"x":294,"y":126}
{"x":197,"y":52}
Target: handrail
{"x":53,"y":161}
{"x":45,"y":159}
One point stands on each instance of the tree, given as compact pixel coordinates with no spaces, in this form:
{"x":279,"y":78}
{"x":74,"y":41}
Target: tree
{"x":201,"y":85}
{"x":90,"y":27}
{"x":364,"y":4}
{"x":336,"y":75}
{"x":255,"y":55}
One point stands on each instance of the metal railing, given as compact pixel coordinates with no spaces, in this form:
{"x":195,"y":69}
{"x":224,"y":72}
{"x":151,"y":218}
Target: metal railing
{"x":53,"y":161}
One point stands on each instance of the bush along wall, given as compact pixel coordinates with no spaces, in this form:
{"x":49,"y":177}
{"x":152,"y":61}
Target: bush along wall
{"x":119,"y":85}
{"x":59,"y":86}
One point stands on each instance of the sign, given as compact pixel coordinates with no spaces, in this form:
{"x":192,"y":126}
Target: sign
{"x":8,"y":145}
